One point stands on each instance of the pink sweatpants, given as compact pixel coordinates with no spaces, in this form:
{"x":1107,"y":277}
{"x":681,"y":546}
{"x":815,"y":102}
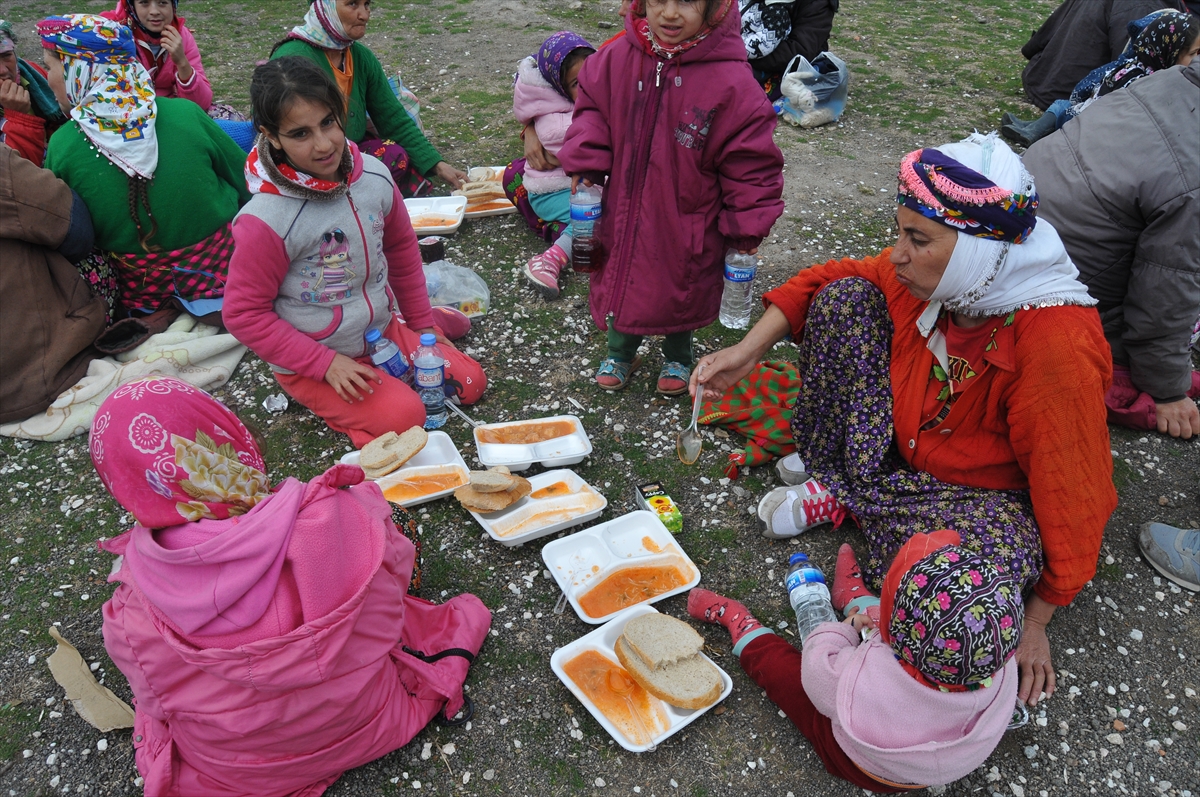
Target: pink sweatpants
{"x":394,"y":406}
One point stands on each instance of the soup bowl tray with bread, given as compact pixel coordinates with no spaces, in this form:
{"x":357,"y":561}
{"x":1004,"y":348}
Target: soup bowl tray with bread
{"x":554,"y":442}
{"x":623,"y":562}
{"x":484,"y":192}
{"x":643,"y":676}
{"x":436,"y":215}
{"x":435,"y":470}
{"x":558,"y":499}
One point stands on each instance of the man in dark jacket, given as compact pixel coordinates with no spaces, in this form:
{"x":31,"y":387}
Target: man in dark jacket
{"x":1121,"y":184}
{"x":48,"y":316}
{"x":776,"y":31}
{"x":1078,"y":37}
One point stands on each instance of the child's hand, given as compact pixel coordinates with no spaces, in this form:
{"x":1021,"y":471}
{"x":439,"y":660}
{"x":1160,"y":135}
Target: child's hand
{"x":172,"y":42}
{"x":576,"y":180}
{"x":859,"y":621}
{"x":348,"y":377}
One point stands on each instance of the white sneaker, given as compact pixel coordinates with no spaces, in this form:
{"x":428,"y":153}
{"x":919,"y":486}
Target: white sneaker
{"x":791,"y":469}
{"x":786,"y":512}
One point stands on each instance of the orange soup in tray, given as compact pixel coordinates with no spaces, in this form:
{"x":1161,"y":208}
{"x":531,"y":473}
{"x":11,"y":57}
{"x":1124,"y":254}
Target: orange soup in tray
{"x":631,"y":709}
{"x":634,"y":584}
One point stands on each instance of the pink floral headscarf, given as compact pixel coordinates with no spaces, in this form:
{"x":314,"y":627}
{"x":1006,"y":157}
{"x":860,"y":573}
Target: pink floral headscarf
{"x":170,"y":453}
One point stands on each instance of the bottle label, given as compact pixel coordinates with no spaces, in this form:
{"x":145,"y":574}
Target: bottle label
{"x":429,"y":377}
{"x":807,"y":575}
{"x":585,"y":212}
{"x":735,"y":274}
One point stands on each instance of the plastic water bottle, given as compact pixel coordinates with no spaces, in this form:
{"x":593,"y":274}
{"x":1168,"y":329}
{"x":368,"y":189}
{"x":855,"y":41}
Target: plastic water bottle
{"x":739,"y":288}
{"x":430,"y":366}
{"x":386,"y":355}
{"x":808,"y":595}
{"x":587,"y":253}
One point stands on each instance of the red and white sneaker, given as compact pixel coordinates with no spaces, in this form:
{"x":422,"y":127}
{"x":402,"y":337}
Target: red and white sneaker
{"x":788,"y":511}
{"x":542,"y":271}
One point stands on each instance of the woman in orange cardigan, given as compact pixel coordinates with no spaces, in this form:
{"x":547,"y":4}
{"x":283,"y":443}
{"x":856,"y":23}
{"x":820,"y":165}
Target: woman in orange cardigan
{"x":987,"y":417}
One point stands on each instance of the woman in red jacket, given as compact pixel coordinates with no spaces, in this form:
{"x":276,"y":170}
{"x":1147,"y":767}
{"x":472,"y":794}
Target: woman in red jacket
{"x":987,"y":418}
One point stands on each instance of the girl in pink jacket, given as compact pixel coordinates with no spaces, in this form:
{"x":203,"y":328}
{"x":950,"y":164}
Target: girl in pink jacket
{"x":671,"y":119}
{"x":166,"y":48}
{"x":921,"y":702}
{"x":266,"y":632}
{"x":544,"y":97}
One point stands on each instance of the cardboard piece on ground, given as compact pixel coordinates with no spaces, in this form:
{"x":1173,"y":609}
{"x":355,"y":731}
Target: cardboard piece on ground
{"x":95,"y":703}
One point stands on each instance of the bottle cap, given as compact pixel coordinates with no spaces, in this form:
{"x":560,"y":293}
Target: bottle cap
{"x":798,"y":557}
{"x":372,"y":335}
{"x":428,"y":339}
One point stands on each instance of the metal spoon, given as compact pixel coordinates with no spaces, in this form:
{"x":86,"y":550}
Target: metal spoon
{"x":621,"y":684}
{"x":689,"y":442}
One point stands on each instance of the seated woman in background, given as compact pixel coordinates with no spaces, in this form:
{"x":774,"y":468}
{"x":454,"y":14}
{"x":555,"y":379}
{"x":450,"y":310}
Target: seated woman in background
{"x":266,"y":633}
{"x":29,"y":112}
{"x":330,"y":37}
{"x":161,"y":180}
{"x":776,"y":31}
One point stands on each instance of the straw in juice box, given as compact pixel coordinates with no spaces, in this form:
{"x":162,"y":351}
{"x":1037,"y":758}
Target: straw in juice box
{"x":653,"y":497}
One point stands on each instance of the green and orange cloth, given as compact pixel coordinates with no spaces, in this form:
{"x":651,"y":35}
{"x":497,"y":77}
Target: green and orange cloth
{"x":760,"y":409}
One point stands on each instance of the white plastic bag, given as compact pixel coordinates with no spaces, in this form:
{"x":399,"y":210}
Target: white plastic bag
{"x":814,"y":94}
{"x":454,"y":286}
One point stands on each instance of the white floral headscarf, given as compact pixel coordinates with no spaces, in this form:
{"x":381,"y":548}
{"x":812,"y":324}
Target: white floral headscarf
{"x":169,"y":453}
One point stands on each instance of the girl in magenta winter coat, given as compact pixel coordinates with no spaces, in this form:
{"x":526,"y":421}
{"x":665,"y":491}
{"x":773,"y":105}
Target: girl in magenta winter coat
{"x":671,"y":120}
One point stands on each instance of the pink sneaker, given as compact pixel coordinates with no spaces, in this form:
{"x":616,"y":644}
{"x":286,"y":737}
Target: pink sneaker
{"x":542,"y":271}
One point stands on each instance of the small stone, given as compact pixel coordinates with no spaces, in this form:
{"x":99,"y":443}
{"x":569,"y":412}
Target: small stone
{"x":26,"y":753}
{"x":600,"y":783}
{"x":1179,"y":726}
{"x":489,"y":774}
{"x":449,"y":749}
{"x":1031,"y":751}
{"x":1135,"y":635}
{"x":102,"y":745}
{"x":1114,"y":738}
{"x":33,"y":659}
{"x":416,"y":784}
{"x":1163,"y":501}
{"x":466,"y":778}
{"x":50,"y":759}
{"x":1018,"y":791}
{"x":1118,"y":725}
{"x":426,"y":751}
{"x":54,"y":781}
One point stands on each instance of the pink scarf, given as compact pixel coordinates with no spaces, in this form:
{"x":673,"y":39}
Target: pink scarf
{"x":170,"y":453}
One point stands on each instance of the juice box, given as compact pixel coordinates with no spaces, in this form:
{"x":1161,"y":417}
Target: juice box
{"x":652,"y":497}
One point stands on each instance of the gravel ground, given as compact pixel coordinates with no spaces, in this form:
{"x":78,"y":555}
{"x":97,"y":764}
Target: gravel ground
{"x":1126,"y":717}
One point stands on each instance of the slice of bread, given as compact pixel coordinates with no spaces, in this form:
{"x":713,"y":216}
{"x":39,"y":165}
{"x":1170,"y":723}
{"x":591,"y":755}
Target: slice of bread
{"x":483,"y":503}
{"x":694,"y":682}
{"x":496,"y":480}
{"x":660,"y":640}
{"x":389,"y":451}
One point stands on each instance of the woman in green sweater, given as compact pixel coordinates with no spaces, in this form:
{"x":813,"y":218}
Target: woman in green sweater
{"x":329,"y":36}
{"x":162,"y":182}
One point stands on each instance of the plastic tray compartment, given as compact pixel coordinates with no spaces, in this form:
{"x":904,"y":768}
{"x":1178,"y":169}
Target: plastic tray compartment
{"x":532,"y":518}
{"x":554,"y":453}
{"x":584,"y":559}
{"x":450,"y":208}
{"x":438,"y":456}
{"x":604,"y":640}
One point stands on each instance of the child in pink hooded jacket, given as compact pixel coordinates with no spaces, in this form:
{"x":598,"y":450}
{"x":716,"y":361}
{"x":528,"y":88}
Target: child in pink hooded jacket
{"x":921,"y":702}
{"x":166,"y":47}
{"x":544,"y":97}
{"x":266,"y":633}
{"x":671,"y":119}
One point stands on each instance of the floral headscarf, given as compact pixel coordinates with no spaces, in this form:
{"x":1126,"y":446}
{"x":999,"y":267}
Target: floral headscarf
{"x":1158,"y":46}
{"x":169,"y":453}
{"x":111,"y":93}
{"x":322,"y":27}
{"x":553,"y":54}
{"x":653,"y":46}
{"x":955,"y":619}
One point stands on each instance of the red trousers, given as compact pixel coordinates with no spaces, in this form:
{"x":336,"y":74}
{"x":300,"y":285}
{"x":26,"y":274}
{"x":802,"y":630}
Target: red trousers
{"x":394,"y":406}
{"x":774,"y":665}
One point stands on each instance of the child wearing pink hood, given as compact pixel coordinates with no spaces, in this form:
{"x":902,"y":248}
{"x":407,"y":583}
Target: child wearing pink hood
{"x":266,"y":632}
{"x":166,"y":47}
{"x":922,"y":702}
{"x":672,"y":121}
{"x":544,"y":96}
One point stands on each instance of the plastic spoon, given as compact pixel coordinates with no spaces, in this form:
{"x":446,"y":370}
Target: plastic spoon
{"x":454,"y":408}
{"x":621,"y":684}
{"x":689,"y":442}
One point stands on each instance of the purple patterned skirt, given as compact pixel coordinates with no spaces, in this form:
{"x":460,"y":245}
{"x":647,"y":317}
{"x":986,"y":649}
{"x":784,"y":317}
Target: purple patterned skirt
{"x":842,"y":423}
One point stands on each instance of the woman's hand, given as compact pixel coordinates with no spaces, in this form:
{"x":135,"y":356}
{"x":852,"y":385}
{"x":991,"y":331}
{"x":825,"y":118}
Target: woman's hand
{"x":348,"y":377}
{"x":1033,"y":654}
{"x":442,"y":340}
{"x":536,"y":156}
{"x":1178,"y":418}
{"x":725,"y":368}
{"x":449,"y":175}
{"x":172,"y":42}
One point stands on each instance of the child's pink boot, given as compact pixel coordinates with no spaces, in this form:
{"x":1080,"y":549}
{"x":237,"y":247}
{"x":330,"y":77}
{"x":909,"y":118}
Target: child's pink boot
{"x":848,"y":591}
{"x":710,"y":607}
{"x":542,"y":271}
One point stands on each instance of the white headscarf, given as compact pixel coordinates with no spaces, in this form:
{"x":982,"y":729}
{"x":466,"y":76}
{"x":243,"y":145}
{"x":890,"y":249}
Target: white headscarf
{"x":322,"y":27}
{"x":986,"y":277}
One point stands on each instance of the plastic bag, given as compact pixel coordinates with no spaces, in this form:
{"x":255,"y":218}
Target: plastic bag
{"x":407,"y":99}
{"x":814,"y":94}
{"x":454,"y":286}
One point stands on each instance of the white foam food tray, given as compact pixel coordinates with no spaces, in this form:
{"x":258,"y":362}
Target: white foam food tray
{"x":494,"y":174}
{"x":554,"y":453}
{"x":584,"y":559}
{"x":438,"y":456}
{"x":532,"y":518}
{"x":604,"y":640}
{"x":436,"y":215}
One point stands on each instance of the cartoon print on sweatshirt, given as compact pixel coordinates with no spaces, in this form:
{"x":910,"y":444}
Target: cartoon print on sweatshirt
{"x":692,"y":130}
{"x":332,"y":273}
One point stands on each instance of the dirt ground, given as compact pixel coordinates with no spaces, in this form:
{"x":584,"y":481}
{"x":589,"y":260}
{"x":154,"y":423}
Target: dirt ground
{"x":1126,"y":718}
